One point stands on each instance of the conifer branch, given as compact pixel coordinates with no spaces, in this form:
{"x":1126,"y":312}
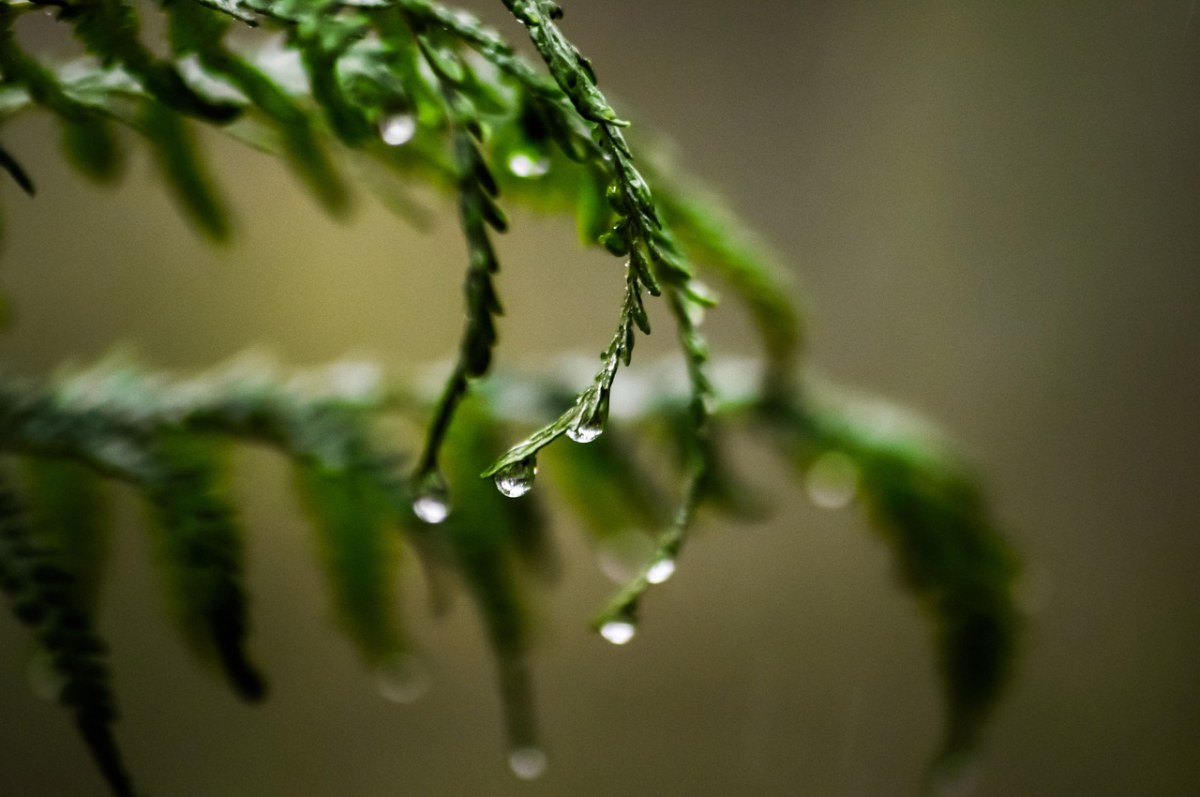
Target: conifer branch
{"x":88,"y":139}
{"x":109,"y":30}
{"x":477,"y":212}
{"x":392,"y":81}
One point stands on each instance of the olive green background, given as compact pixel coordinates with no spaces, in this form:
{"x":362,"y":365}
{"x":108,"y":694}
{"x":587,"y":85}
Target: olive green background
{"x":994,"y":212}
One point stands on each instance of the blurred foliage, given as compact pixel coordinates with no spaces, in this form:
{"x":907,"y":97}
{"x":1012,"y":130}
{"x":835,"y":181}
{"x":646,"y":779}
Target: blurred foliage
{"x":427,"y":93}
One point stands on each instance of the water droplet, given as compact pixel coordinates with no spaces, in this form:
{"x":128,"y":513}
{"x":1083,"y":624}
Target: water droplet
{"x":397,"y":129}
{"x":43,"y":679}
{"x":528,"y":165}
{"x":832,"y":480}
{"x":431,"y":508}
{"x":431,"y":502}
{"x":585,"y":432}
{"x":402,"y":679}
{"x":593,"y":413}
{"x":517,"y":479}
{"x":618,"y":632}
{"x":661,"y":570}
{"x":527,"y":763}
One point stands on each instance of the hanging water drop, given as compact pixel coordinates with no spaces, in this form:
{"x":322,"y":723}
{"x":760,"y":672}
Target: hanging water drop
{"x":431,"y":500}
{"x":832,"y":480}
{"x":397,"y":129}
{"x":590,"y":419}
{"x":528,"y":165}
{"x":661,"y":570}
{"x":618,"y":632}
{"x":527,"y":763}
{"x":402,"y":679}
{"x":431,"y":508}
{"x":517,"y":479}
{"x":585,"y":431}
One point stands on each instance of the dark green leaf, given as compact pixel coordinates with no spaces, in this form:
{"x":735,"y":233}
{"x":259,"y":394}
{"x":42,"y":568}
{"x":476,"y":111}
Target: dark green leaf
{"x":949,"y":553}
{"x":69,"y":515}
{"x":485,"y":529}
{"x":43,"y":596}
{"x":181,"y":166}
{"x":15,"y":170}
{"x":359,"y":552}
{"x":199,"y":546}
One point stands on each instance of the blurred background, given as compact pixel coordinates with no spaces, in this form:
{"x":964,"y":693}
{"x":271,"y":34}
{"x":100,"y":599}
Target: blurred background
{"x":993,"y":213}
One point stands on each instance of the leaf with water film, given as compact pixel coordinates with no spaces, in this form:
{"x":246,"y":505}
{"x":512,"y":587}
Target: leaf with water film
{"x":199,"y":548}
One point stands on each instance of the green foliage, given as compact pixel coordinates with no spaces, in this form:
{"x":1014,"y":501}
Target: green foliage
{"x":359,"y":551}
{"x":199,"y":548}
{"x":45,"y":598}
{"x":426,"y":93}
{"x":948,"y":553}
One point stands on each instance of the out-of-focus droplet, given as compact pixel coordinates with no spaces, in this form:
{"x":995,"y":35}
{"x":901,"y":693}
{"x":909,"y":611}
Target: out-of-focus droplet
{"x":431,"y":503}
{"x":527,"y":165}
{"x":402,"y":678}
{"x":832,"y":480}
{"x":527,"y":763}
{"x":397,"y":129}
{"x":517,"y":479}
{"x":431,"y":508}
{"x":618,"y":632}
{"x":621,"y":556}
{"x":661,"y":570}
